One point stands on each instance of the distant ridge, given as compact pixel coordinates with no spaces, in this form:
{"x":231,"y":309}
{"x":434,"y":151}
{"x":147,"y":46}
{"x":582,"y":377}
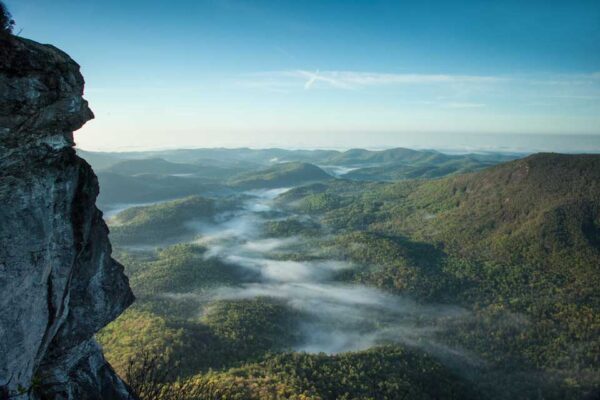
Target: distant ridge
{"x":282,"y":175}
{"x":152,"y":166}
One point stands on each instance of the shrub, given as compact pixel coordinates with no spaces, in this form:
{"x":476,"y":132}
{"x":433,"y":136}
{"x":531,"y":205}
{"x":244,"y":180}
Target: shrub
{"x":6,"y":21}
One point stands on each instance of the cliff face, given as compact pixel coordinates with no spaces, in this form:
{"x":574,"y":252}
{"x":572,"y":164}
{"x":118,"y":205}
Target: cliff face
{"x":58,"y":282}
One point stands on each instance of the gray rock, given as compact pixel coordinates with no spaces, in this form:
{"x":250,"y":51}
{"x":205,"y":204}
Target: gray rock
{"x":58,"y":282}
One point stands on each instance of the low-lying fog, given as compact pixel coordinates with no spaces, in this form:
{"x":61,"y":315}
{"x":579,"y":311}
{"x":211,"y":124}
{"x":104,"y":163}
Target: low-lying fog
{"x":338,"y":171}
{"x":338,"y":316}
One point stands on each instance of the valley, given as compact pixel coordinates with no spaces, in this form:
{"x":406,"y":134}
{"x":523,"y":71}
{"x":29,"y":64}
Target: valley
{"x":292,"y":267}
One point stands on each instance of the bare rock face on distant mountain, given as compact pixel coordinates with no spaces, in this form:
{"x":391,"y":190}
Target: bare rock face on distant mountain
{"x":58,"y":282}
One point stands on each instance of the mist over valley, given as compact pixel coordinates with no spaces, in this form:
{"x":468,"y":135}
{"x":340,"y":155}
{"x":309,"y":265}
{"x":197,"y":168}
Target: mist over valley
{"x":294,"y":254}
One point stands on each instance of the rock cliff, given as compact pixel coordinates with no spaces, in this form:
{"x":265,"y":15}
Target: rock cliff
{"x":58,"y":282}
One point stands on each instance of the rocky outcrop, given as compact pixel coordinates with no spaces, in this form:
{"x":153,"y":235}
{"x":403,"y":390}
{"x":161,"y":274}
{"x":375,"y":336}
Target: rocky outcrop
{"x":58,"y":282}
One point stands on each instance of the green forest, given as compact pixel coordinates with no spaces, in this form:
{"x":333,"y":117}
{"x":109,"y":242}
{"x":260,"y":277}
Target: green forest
{"x":476,"y":285}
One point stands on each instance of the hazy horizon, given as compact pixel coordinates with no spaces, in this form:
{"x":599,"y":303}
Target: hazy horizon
{"x":511,"y":143}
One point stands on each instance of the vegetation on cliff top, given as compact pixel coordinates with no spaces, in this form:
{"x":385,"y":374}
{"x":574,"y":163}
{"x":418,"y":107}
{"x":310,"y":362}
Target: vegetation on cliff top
{"x":6,"y":21}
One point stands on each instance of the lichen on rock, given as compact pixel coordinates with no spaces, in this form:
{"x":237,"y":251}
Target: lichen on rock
{"x":58,"y":282}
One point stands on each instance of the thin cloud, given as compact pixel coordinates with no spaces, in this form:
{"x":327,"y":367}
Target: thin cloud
{"x":460,"y":92}
{"x":356,"y":80}
{"x":464,"y":105}
{"x":315,"y":77}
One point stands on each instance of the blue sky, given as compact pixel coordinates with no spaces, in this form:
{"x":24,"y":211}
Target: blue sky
{"x":325,"y":73}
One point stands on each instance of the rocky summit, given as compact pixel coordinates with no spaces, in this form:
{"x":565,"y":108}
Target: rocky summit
{"x":59,"y":284}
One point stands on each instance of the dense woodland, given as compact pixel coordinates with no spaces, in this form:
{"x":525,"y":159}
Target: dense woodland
{"x":516,"y":247}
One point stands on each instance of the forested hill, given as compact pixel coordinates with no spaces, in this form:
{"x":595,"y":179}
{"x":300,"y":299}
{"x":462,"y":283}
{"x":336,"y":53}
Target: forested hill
{"x":281,"y":175}
{"x":540,"y":212}
{"x":541,"y":209}
{"x":360,"y":156}
{"x":539,"y":215}
{"x":518,"y":243}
